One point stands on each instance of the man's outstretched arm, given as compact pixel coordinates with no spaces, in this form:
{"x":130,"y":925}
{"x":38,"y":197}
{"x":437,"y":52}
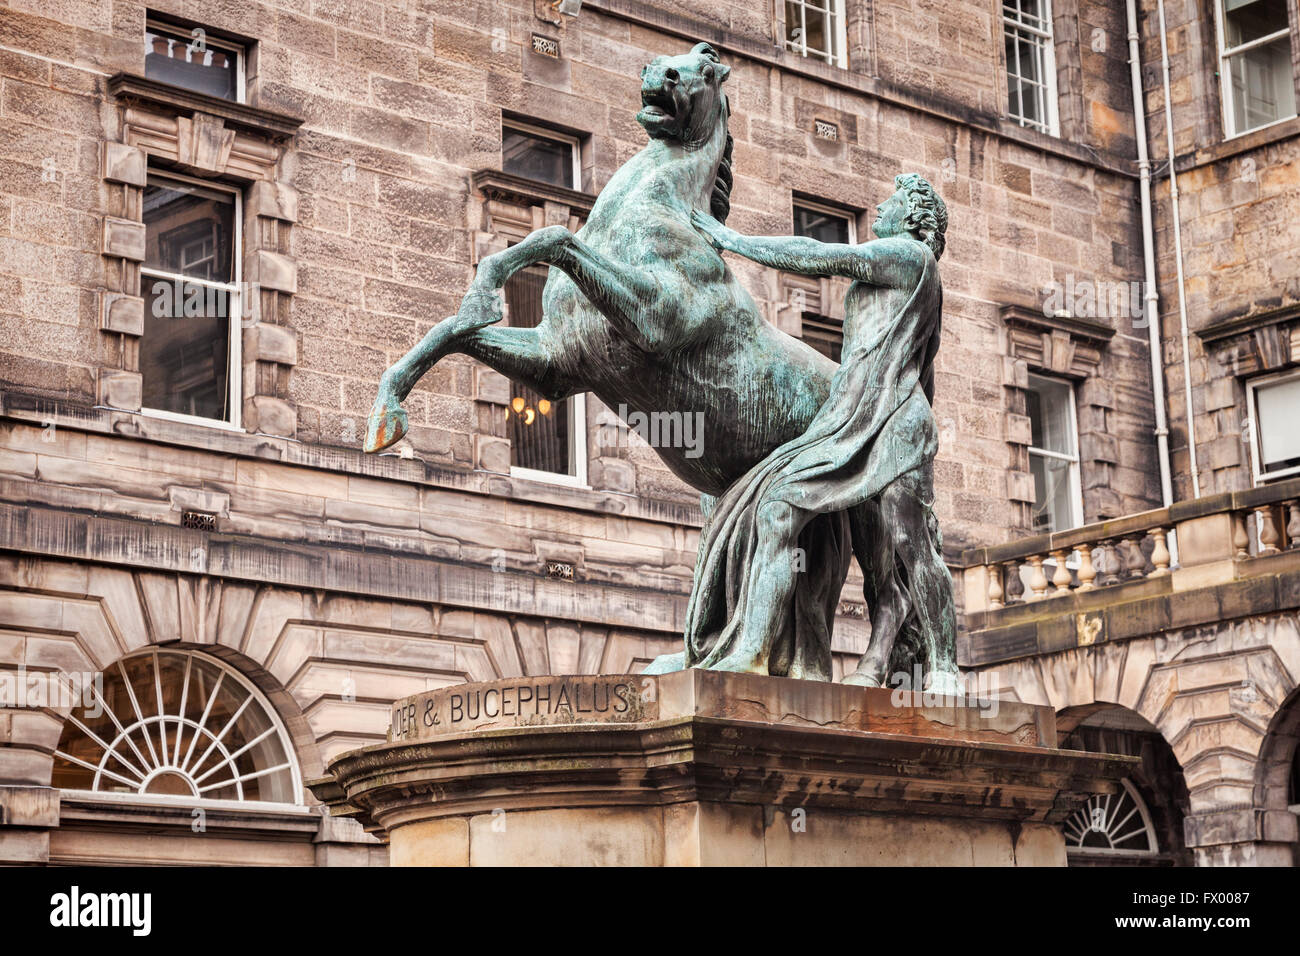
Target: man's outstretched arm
{"x":867,"y":262}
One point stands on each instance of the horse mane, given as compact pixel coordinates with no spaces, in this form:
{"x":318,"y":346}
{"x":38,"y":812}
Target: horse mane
{"x":720,"y":200}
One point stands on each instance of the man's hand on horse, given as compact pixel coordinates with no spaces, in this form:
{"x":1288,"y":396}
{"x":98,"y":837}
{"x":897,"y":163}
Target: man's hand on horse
{"x":719,"y":235}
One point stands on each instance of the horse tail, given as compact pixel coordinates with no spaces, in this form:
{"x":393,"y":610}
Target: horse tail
{"x":720,"y":200}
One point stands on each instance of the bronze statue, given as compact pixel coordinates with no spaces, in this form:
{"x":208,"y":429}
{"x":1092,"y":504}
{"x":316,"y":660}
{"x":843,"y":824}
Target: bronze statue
{"x":642,"y":311}
{"x":870,"y":448}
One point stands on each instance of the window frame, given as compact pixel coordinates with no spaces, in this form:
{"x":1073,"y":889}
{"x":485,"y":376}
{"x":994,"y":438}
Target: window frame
{"x":826,"y":209}
{"x":573,"y":141}
{"x":1225,"y":76}
{"x":1075,"y":477}
{"x":235,"y":350}
{"x":578,"y":401}
{"x":837,"y":11}
{"x":255,"y":698}
{"x":209,"y":39}
{"x":1051,"y":96}
{"x":1259,"y":477}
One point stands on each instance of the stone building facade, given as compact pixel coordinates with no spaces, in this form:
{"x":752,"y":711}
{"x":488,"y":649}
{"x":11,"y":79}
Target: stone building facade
{"x":185,"y":511}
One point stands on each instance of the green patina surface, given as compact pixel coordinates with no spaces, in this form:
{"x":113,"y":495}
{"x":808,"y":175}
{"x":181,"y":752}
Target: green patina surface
{"x":641,"y":309}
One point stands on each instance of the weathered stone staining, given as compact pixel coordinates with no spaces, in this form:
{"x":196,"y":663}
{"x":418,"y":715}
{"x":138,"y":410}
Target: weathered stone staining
{"x":707,"y":768}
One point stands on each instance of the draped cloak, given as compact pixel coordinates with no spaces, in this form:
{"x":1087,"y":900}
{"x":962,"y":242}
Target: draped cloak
{"x":875,"y":426}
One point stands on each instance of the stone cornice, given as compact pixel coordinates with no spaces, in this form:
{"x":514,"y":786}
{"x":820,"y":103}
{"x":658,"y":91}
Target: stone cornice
{"x":39,"y":411}
{"x":130,"y":88}
{"x":368,"y":570}
{"x":495,"y":184}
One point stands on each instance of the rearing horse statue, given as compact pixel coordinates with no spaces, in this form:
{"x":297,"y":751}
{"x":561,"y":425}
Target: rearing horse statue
{"x":641,"y":310}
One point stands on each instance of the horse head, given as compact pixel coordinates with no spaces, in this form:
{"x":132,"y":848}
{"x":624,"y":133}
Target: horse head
{"x":681,"y":96}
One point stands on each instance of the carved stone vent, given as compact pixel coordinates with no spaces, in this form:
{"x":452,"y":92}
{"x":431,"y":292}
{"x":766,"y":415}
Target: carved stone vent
{"x":559,"y":569}
{"x":198,"y":521}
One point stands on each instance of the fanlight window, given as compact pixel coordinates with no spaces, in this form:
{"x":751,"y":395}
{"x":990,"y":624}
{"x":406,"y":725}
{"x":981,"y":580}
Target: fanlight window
{"x":1111,"y":823}
{"x":175,"y":723}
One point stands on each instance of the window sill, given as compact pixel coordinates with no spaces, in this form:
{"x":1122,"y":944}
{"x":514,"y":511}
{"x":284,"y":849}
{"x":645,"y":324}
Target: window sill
{"x":129,"y":87}
{"x":1240,"y":143}
{"x":550,"y":478}
{"x":201,"y":422}
{"x":120,"y":811}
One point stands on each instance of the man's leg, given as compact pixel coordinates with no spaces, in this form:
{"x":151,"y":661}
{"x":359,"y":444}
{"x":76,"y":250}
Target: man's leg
{"x":887,"y":601}
{"x":906,"y":511}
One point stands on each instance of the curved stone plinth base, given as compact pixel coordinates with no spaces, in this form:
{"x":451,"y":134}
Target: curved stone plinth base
{"x":706,"y":768}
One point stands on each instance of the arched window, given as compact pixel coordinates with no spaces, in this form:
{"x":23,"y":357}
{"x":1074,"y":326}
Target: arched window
{"x":177,"y":723}
{"x":1112,"y":823}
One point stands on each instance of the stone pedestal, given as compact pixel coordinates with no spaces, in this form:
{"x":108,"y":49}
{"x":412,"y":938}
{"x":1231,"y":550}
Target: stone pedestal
{"x":700,"y":768}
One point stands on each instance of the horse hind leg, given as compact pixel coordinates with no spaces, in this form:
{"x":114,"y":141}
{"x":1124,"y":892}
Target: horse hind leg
{"x":520,"y":355}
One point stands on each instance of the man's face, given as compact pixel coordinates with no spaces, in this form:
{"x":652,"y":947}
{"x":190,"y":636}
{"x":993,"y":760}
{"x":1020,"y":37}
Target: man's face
{"x":891,"y":216}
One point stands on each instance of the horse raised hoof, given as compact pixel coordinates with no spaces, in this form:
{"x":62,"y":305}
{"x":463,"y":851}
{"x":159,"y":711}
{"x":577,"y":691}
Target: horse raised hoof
{"x":386,"y":425}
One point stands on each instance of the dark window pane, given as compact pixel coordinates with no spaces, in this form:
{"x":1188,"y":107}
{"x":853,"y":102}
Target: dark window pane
{"x":189,"y":230}
{"x":177,"y":58}
{"x":824,"y":334}
{"x":185,"y":350}
{"x":539,"y":430}
{"x":536,"y":157}
{"x":824,"y":227}
{"x":1246,"y":20}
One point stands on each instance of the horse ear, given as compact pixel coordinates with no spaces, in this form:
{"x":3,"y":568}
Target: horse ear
{"x":704,"y":49}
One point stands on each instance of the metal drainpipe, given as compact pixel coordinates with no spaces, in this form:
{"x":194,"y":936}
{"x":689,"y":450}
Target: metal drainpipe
{"x":1178,"y":257}
{"x":1149,"y":260}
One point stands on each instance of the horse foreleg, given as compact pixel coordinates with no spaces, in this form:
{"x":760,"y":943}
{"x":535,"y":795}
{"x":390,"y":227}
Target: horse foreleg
{"x":482,"y":306}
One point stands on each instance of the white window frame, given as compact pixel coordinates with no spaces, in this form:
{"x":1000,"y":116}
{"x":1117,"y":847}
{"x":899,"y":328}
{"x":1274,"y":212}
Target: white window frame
{"x":541,"y":132}
{"x":1076,"y":486}
{"x":255,"y":697}
{"x":839,"y":57}
{"x":238,"y":49}
{"x":578,"y":402}
{"x":1230,"y":130}
{"x":577,"y":450}
{"x":1256,"y":462}
{"x":1051,"y":125}
{"x":235,"y":351}
{"x":827,"y":210}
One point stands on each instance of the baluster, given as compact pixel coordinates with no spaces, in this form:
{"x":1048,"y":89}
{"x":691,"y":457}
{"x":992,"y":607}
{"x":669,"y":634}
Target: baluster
{"x":1037,"y":579}
{"x":1267,"y":531}
{"x":1293,"y":526}
{"x":1015,"y":586}
{"x":1061,"y":579}
{"x":1137,"y":561}
{"x":1087,"y":573}
{"x":1160,"y":553}
{"x":994,"y":573}
{"x":1240,"y":540}
{"x":1107,"y":559}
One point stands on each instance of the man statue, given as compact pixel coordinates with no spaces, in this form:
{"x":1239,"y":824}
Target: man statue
{"x":869,"y":452}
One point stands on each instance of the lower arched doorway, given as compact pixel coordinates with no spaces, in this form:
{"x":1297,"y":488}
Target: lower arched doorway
{"x":1142,"y":824}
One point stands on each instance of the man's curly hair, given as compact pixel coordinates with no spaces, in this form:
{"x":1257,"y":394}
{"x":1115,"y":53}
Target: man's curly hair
{"x":927,"y":216}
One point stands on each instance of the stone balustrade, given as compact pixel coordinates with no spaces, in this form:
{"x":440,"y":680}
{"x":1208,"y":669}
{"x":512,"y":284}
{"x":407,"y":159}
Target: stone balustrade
{"x":1217,"y":530}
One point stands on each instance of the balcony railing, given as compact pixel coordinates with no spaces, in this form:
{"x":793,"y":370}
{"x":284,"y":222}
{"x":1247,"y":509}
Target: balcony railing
{"x":1220,"y":528}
